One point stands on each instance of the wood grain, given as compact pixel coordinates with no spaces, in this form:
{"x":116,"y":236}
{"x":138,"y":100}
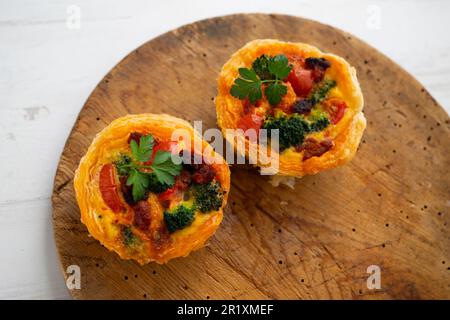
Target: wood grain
{"x":389,"y":207}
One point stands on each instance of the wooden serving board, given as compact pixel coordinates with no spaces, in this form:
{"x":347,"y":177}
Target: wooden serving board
{"x":389,"y":207}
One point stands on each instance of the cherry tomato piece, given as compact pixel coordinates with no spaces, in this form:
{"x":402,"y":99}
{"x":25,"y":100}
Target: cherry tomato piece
{"x":251,"y":121}
{"x":108,"y":188}
{"x":336,"y":109}
{"x":301,"y":81}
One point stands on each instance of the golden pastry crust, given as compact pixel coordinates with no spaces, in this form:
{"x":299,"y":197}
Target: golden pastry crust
{"x":107,"y":227}
{"x":346,"y":133}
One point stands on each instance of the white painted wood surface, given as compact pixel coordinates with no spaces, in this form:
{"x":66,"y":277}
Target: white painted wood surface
{"x":48,"y":67}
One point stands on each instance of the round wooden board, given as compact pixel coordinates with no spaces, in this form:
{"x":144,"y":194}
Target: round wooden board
{"x":389,"y":207}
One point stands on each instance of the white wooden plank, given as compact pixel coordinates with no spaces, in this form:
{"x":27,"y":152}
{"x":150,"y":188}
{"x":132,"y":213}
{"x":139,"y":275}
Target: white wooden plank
{"x":29,"y":267}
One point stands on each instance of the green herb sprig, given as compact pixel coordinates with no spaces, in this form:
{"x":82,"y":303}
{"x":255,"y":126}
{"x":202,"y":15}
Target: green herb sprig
{"x":162,"y":167}
{"x":265,"y":70}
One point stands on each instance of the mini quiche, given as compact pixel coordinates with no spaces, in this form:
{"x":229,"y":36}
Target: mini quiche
{"x":140,"y":197}
{"x":312,"y":98}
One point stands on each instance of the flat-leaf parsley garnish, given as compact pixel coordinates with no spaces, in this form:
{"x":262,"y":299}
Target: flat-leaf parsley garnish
{"x":248,"y":85}
{"x":142,"y":151}
{"x":265,"y":70}
{"x":141,"y":175}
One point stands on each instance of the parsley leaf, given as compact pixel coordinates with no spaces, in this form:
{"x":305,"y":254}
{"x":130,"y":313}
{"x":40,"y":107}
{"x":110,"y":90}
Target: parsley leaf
{"x":164,"y":168}
{"x":249,"y":85}
{"x":143,"y":151}
{"x":155,"y":185}
{"x":279,"y":66}
{"x":139,"y":182}
{"x":265,"y":69}
{"x":161,"y":157}
{"x":274,"y":92}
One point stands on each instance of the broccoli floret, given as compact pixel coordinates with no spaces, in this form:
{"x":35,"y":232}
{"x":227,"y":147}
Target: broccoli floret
{"x":319,"y":121}
{"x":292,"y":130}
{"x":179,"y":218}
{"x":129,"y":238}
{"x":319,"y":124}
{"x":208,"y":197}
{"x":154,"y":185}
{"x":322,"y":91}
{"x":122,"y":165}
{"x":261,"y":67}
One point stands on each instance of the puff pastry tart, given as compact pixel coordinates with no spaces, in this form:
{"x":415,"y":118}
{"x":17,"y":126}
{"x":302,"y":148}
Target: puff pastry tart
{"x":140,"y":197}
{"x":312,"y":98}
